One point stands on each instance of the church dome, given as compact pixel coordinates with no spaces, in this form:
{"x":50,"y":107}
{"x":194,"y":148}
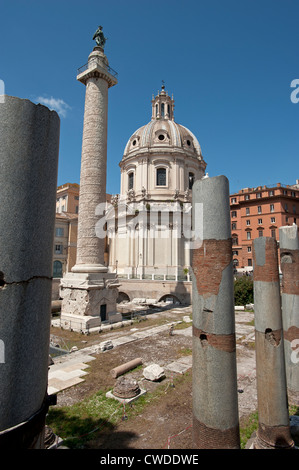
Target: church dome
{"x":162,"y":134}
{"x":162,"y":159}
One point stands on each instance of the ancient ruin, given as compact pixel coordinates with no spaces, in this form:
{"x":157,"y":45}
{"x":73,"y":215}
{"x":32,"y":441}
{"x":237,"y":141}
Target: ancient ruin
{"x":126,"y":388}
{"x":89,"y":291}
{"x":215,"y":400}
{"x":29,"y":136}
{"x":274,"y":427}
{"x":289,"y":262}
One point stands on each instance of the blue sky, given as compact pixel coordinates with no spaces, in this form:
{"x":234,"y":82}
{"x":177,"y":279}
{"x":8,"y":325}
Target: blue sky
{"x":228,"y":63}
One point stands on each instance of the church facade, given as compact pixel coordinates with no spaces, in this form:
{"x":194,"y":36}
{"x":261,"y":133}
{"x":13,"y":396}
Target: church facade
{"x":149,"y":222}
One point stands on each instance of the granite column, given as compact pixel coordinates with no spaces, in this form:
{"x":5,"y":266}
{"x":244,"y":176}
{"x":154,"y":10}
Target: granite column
{"x":215,"y":396}
{"x":273,"y":428}
{"x":289,"y":263}
{"x":29,"y":136}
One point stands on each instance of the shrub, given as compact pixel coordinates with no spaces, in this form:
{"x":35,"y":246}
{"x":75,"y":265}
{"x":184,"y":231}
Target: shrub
{"x":243,"y":291}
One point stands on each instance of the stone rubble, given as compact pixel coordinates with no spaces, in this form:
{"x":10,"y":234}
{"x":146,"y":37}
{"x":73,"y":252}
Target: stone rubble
{"x":154,"y":372}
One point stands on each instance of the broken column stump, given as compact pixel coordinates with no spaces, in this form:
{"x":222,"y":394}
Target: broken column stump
{"x":273,"y":414}
{"x":289,"y":263}
{"x":215,"y":395}
{"x":126,"y":387}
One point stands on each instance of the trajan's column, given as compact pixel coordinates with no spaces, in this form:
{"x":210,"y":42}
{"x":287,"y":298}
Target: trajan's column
{"x":89,"y":292}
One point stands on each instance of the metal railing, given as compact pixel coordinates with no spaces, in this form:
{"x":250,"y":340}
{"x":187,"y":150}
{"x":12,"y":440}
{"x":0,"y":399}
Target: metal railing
{"x":93,"y":62}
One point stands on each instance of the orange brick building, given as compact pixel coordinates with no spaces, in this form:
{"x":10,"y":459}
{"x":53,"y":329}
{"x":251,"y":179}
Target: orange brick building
{"x":258,"y":212}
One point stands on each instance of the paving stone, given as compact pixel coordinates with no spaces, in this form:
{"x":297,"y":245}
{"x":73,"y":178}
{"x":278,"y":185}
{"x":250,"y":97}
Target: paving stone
{"x":184,"y":331}
{"x":185,"y":360}
{"x":177,"y":367}
{"x":76,"y":366}
{"x":63,"y":384}
{"x":63,"y":375}
{"x":52,"y":390}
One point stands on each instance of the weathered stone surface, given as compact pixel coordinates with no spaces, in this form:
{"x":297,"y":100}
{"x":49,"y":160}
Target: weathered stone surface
{"x":106,"y":345}
{"x":90,"y":247}
{"x":117,"y":371}
{"x":126,"y":387}
{"x":187,"y":319}
{"x":115,"y":317}
{"x":83,"y":294}
{"x":29,"y":136}
{"x":154,"y":372}
{"x":289,"y":260}
{"x":215,"y":399}
{"x":273,"y":430}
{"x":89,"y":290}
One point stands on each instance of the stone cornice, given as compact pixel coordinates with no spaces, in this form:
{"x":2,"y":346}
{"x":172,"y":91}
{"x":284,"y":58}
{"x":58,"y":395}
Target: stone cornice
{"x":83,"y":77}
{"x":98,"y":69}
{"x":163,"y":152}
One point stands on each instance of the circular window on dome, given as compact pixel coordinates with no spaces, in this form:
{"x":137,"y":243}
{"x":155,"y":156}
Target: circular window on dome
{"x":161,"y":137}
{"x":134,"y":142}
{"x":188,"y":142}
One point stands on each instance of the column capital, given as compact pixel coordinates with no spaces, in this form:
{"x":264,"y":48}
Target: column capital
{"x":97,"y":66}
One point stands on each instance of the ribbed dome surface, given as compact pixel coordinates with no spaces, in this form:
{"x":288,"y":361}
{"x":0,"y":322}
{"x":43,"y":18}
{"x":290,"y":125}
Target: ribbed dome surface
{"x":163,"y":134}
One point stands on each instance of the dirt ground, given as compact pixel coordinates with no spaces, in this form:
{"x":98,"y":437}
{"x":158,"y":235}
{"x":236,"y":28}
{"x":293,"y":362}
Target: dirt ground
{"x":165,"y":423}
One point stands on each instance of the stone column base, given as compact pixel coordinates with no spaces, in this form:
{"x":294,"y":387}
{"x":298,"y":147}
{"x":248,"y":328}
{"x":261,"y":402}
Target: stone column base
{"x":88,"y":299}
{"x":273,"y":437}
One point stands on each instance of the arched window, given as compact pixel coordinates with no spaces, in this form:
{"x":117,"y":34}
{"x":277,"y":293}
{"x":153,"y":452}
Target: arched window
{"x":162,"y":110}
{"x":191,"y":180}
{"x":161,"y":177}
{"x":130,"y":180}
{"x":57,"y":269}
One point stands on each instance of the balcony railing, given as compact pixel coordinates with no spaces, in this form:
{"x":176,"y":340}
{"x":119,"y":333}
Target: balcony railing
{"x":94,"y":62}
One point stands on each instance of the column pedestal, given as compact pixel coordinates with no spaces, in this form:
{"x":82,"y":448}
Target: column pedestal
{"x":88,"y":299}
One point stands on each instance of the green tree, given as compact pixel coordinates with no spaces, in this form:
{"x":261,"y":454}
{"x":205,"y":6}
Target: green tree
{"x":243,"y":290}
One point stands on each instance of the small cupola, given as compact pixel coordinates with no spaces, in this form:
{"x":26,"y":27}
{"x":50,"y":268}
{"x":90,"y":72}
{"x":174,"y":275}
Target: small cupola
{"x":163,"y":106}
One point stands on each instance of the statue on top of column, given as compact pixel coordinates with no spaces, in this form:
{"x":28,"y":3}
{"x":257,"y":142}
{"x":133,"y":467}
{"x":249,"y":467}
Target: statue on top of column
{"x":99,"y":37}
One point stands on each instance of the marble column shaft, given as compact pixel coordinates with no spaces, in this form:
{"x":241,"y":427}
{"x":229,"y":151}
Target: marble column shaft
{"x":90,"y":248}
{"x":89,"y":291}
